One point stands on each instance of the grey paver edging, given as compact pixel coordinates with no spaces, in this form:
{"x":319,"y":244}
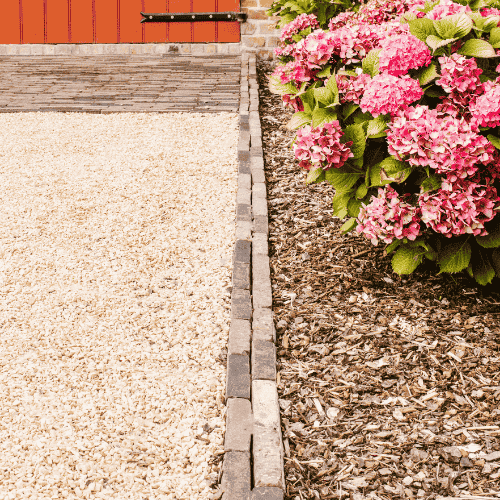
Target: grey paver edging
{"x":253,"y":461}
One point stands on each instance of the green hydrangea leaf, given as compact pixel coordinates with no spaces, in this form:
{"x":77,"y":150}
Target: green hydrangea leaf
{"x":361,"y":192}
{"x":324,"y":95}
{"x":456,"y":25}
{"x":340,"y":202}
{"x":431,"y":183}
{"x":494,"y":140}
{"x":406,"y":260}
{"x":492,"y":239}
{"x":435,"y":42}
{"x":348,"y":109}
{"x":482,"y":269}
{"x":331,"y":84}
{"x":348,"y":226}
{"x":477,"y":48}
{"x":276,"y":87}
{"x":342,"y":179}
{"x":377,"y":125}
{"x":325,"y":72}
{"x":495,"y":38}
{"x":495,"y":260}
{"x":370,"y":62}
{"x":356,"y":134}
{"x":323,"y":115}
{"x":392,"y":246}
{"x":315,"y":175}
{"x":422,"y":28}
{"x":353,"y":207}
{"x":454,"y":257}
{"x":299,"y":120}
{"x":490,"y":23}
{"x":428,"y":74}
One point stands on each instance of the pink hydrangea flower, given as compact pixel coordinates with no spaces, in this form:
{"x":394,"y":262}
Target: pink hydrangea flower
{"x":286,"y":51}
{"x":460,"y":207}
{"x":388,"y":217}
{"x":321,"y":146}
{"x":292,"y":72}
{"x":293,"y":101}
{"x":300,"y":23}
{"x":489,"y":11}
{"x":460,"y":78}
{"x":485,"y":110}
{"x":446,"y":8}
{"x":424,"y":137}
{"x":379,"y":11}
{"x":315,"y":50}
{"x":343,"y":19}
{"x":351,"y":88}
{"x":401,"y":53}
{"x":388,"y":94}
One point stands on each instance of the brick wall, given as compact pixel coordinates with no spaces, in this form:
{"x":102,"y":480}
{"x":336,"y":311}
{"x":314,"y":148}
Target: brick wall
{"x":259,"y":34}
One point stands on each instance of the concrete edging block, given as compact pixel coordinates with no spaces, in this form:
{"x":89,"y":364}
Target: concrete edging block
{"x":240,"y":334}
{"x":239,"y":425}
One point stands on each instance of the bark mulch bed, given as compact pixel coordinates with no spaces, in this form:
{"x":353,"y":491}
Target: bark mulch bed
{"x":389,"y":387}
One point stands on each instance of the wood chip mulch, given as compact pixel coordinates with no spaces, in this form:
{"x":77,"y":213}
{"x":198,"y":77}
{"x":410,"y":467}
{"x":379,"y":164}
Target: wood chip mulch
{"x":389,"y":387}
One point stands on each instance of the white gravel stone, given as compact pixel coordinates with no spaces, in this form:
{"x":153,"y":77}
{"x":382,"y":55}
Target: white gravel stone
{"x":113,"y":302}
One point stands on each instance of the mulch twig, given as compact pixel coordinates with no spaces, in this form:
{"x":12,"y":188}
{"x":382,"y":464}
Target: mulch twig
{"x":389,"y":387}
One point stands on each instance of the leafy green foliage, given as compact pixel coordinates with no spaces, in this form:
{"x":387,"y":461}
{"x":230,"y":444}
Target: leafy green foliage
{"x":428,"y":74}
{"x":455,"y":26}
{"x":477,"y":48}
{"x":323,"y":115}
{"x":482,"y":270}
{"x":315,"y":176}
{"x":422,"y":28}
{"x":454,"y":257}
{"x":299,"y":120}
{"x":343,"y":178}
{"x":407,"y":259}
{"x":349,"y":225}
{"x":492,"y":239}
{"x":370,"y":62}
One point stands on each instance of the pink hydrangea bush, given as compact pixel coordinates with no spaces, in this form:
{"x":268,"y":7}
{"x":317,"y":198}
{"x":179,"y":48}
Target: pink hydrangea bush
{"x":405,"y":126}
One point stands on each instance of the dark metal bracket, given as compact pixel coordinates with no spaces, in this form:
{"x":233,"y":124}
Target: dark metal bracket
{"x":193,"y":16}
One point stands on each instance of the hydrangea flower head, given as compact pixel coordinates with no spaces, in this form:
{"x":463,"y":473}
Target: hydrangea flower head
{"x":460,"y":78}
{"x":341,"y":20}
{"x":292,"y":72}
{"x":486,"y":108}
{"x":446,"y":8}
{"x":388,"y":94}
{"x":401,"y":53}
{"x":424,"y":137}
{"x":379,"y":11}
{"x":460,"y":207}
{"x":321,"y":146}
{"x":315,"y":50}
{"x":300,"y":23}
{"x":489,"y":11}
{"x":388,"y":217}
{"x":351,"y":88}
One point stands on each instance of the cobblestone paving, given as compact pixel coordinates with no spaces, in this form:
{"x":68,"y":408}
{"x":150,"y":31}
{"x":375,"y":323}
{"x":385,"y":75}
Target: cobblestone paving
{"x":120,"y":83}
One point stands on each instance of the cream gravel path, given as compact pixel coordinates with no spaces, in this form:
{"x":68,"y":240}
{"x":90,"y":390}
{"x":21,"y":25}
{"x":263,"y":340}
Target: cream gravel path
{"x":116,"y":233}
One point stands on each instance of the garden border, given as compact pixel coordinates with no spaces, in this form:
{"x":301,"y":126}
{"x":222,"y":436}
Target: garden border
{"x":253,"y":461}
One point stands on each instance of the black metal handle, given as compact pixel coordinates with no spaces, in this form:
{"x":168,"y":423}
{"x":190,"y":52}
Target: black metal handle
{"x":172,"y":17}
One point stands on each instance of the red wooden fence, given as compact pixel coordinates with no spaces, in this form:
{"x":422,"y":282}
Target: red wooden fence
{"x":112,"y":21}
